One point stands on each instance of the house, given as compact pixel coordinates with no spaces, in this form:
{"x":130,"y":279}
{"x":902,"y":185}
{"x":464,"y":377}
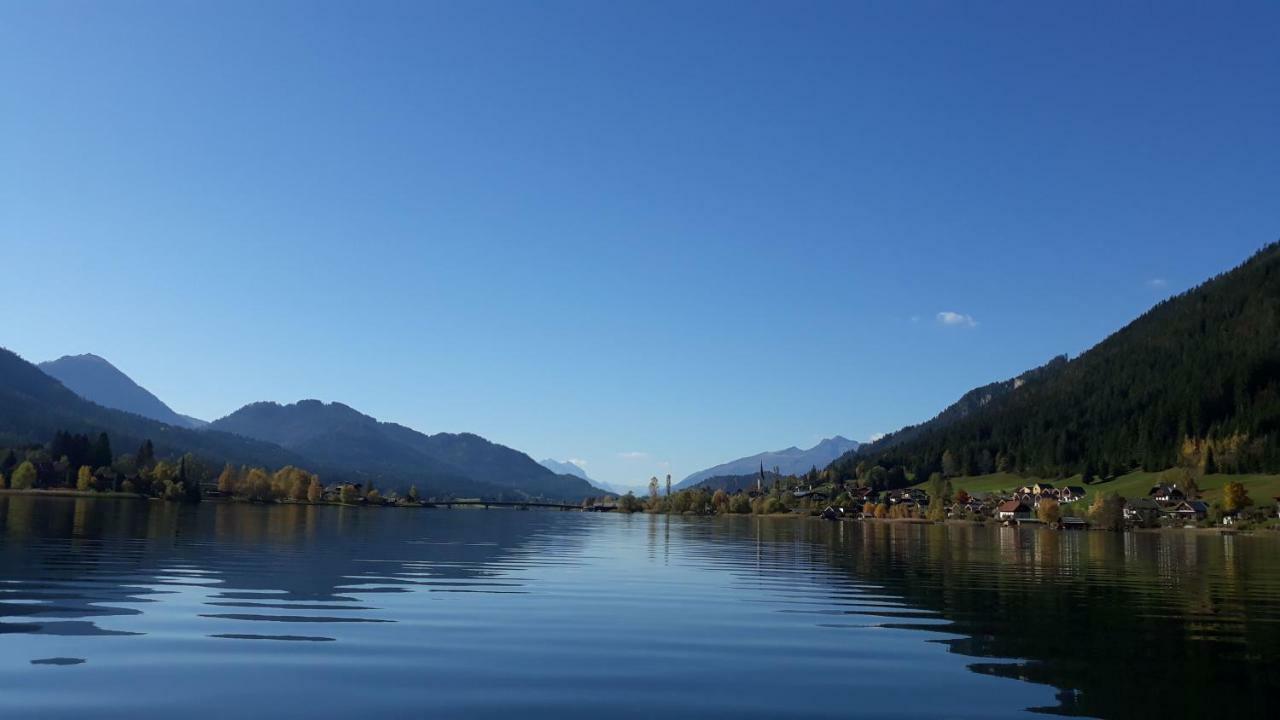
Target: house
{"x":1072,"y":493}
{"x":1044,"y":489}
{"x":1073,"y":523}
{"x":1165,"y":493}
{"x":1013,"y":510}
{"x":1141,"y":510}
{"x":1190,"y":510}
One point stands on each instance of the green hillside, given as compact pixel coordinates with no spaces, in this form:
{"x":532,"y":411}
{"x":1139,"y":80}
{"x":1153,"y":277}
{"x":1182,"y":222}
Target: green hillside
{"x":1193,"y":382}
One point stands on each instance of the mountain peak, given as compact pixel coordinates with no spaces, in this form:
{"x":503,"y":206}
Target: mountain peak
{"x":94,"y":378}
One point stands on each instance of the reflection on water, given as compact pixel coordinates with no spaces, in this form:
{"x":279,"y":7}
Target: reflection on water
{"x":133,"y":609}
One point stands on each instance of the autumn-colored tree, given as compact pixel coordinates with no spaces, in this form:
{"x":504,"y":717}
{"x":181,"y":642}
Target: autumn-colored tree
{"x":962,"y":497}
{"x":1235,"y":497}
{"x":347,"y":495}
{"x":257,"y":486}
{"x":1048,"y":511}
{"x":315,"y":492}
{"x":1107,"y":511}
{"x":373,"y":497}
{"x":227,"y":480}
{"x":937,"y":511}
{"x":84,"y":479}
{"x":868,"y":509}
{"x":720,"y":501}
{"x":24,"y":477}
{"x":882,"y":510}
{"x":162,"y":475}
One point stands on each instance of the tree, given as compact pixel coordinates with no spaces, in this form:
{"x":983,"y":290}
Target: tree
{"x":740,"y":504}
{"x":882,"y":510}
{"x":146,"y":456}
{"x":720,"y":501}
{"x":4,"y":482}
{"x":413,"y":493}
{"x":1048,"y":511}
{"x":1191,"y":488}
{"x":24,"y":477}
{"x":84,"y":479}
{"x":373,"y":497}
{"x":629,"y":504}
{"x":1210,"y":466}
{"x":1087,"y":475}
{"x":962,"y":497}
{"x":937,"y":511}
{"x":163,"y":475}
{"x":257,"y":486}
{"x":653,"y":489}
{"x":101,"y":453}
{"x":228,"y":480}
{"x":1107,"y":511}
{"x":347,"y":495}
{"x":315,"y":492}
{"x":1235,"y":497}
{"x":950,"y":466}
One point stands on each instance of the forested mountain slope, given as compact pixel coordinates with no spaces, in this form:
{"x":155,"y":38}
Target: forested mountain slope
{"x":1194,"y":380}
{"x":444,"y":463}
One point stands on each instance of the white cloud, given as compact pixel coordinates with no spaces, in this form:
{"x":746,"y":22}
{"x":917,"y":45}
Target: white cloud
{"x":956,"y":319}
{"x":633,"y":455}
{"x":1157,"y":283}
{"x":875,"y":437}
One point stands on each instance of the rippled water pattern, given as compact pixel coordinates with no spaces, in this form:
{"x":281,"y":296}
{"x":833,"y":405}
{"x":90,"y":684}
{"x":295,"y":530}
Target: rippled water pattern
{"x":150,"y":610}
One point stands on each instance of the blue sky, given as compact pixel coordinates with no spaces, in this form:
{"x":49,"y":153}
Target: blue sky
{"x":641,"y":235}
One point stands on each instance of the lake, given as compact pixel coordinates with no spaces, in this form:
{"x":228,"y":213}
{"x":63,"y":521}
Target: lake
{"x":133,"y":609}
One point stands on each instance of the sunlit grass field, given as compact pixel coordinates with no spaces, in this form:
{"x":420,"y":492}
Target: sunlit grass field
{"x":1262,"y":488}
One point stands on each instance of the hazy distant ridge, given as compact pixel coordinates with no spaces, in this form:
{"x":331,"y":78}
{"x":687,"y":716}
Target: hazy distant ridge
{"x":792,"y":460}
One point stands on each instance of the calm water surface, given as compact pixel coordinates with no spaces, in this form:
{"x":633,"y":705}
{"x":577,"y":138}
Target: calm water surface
{"x":130,"y":609}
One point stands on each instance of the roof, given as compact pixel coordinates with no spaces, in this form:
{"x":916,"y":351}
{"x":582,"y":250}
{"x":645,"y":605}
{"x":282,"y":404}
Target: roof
{"x":1198,"y":506}
{"x":1012,"y":506}
{"x":1075,"y":489}
{"x":1142,"y":503}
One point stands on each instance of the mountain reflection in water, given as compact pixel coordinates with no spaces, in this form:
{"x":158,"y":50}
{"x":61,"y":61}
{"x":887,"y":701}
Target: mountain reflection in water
{"x":116,"y":608}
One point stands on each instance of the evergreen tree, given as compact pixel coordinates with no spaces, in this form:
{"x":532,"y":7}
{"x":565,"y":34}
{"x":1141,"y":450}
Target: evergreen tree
{"x":101,"y":454}
{"x":1210,"y":466}
{"x":146,"y":456}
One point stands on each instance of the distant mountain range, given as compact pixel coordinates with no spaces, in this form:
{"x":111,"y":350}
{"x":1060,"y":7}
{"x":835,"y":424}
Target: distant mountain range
{"x":95,"y":379}
{"x":568,"y":468}
{"x":34,"y":405}
{"x":342,"y":437}
{"x":791,"y":461}
{"x":339,"y":443}
{"x":564,"y":468}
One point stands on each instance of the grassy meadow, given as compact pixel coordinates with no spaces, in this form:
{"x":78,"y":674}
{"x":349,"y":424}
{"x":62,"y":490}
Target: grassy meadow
{"x":1262,"y":488}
